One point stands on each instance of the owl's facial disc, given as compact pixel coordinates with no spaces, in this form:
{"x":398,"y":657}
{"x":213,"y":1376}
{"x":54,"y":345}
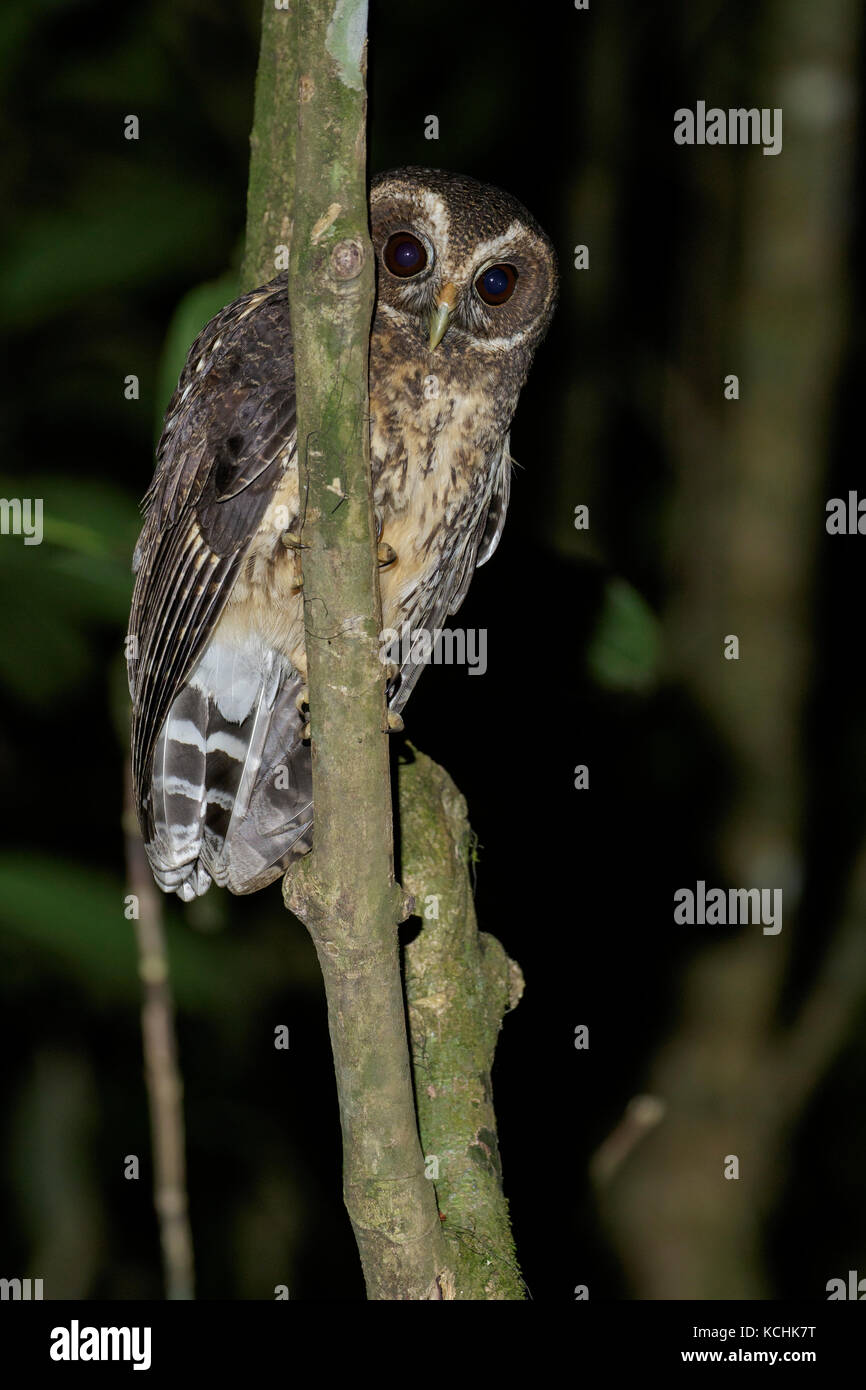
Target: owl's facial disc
{"x":460,"y":261}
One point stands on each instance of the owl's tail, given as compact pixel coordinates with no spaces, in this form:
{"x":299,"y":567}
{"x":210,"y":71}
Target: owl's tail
{"x":231,"y":795}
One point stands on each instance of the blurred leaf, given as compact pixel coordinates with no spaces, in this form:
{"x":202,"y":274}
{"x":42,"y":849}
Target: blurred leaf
{"x":41,"y":653}
{"x":89,"y":516}
{"x":78,"y":576}
{"x":99,"y":586}
{"x":76,"y":913}
{"x":625,"y":649}
{"x":127,"y":226}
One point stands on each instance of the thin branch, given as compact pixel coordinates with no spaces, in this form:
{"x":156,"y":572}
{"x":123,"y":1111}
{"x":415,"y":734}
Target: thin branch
{"x":344,"y":891}
{"x":161,"y":1069}
{"x":641,"y":1116}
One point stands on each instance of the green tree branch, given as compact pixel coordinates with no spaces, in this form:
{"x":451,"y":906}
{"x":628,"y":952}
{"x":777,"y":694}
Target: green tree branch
{"x":459,"y":983}
{"x":308,"y":191}
{"x":344,"y":891}
{"x":271,"y":189}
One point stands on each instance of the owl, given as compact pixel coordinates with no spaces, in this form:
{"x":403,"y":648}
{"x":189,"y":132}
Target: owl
{"x":466,"y":287}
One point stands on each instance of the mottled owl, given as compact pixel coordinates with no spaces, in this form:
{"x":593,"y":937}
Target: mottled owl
{"x":466,"y":287}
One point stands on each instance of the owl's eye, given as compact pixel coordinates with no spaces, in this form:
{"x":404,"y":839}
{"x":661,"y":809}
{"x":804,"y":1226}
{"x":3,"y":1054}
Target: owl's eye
{"x":496,"y":284}
{"x":405,"y":255}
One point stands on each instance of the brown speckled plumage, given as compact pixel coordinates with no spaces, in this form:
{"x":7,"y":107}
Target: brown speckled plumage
{"x":217,"y":667}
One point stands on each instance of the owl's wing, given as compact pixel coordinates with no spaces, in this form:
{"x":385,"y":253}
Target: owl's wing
{"x":495,"y":518}
{"x":228,"y":438}
{"x":448,"y":593}
{"x":478,"y":544}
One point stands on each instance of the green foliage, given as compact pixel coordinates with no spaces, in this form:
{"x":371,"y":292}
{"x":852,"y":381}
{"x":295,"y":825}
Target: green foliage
{"x":100,"y":233}
{"x":624,"y":652}
{"x":57,"y":592}
{"x":74,"y":914}
{"x":80,"y":577}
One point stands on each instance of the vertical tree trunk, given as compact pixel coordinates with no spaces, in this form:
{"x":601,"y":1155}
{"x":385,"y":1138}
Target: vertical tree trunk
{"x":345,"y":891}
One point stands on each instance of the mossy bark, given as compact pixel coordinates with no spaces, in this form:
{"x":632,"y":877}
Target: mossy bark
{"x":459,"y":984}
{"x":271,"y":189}
{"x":344,"y":891}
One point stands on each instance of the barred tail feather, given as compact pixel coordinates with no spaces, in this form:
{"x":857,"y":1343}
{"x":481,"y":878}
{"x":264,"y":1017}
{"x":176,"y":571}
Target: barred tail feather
{"x":176,"y":804}
{"x":231,"y":797}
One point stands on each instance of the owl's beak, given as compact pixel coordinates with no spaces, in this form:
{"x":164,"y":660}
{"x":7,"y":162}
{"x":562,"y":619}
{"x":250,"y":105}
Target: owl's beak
{"x":441,"y":316}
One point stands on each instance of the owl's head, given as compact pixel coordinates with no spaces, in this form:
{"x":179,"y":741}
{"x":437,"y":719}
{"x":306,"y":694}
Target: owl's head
{"x":460,"y":258}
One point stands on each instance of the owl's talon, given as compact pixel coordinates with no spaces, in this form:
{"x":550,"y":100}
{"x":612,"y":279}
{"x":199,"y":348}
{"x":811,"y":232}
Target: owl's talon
{"x":305,"y":733}
{"x":302,"y":698}
{"x":395,"y":723}
{"x":291,"y":541}
{"x":385,"y":554}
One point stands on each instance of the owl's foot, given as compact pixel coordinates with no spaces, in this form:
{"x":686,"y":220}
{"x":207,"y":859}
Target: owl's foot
{"x":293,"y":542}
{"x":302,"y":705}
{"x":385,"y":554}
{"x":395,"y":723}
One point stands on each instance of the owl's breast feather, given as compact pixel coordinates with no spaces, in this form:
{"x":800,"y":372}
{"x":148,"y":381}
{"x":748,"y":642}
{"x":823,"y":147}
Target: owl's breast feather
{"x":433,"y":445}
{"x":432,"y":456}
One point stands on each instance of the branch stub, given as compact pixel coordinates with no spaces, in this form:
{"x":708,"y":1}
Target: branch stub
{"x":347,"y":259}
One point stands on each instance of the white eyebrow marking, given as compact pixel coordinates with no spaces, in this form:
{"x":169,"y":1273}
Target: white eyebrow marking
{"x":435,"y":209}
{"x":489,"y":344}
{"x":424,"y":205}
{"x":491,"y":249}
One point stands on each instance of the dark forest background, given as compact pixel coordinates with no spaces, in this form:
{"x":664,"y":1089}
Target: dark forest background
{"x":605,"y":649}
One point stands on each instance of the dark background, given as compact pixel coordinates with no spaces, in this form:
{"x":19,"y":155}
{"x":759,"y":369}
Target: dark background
{"x":604,"y":649}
